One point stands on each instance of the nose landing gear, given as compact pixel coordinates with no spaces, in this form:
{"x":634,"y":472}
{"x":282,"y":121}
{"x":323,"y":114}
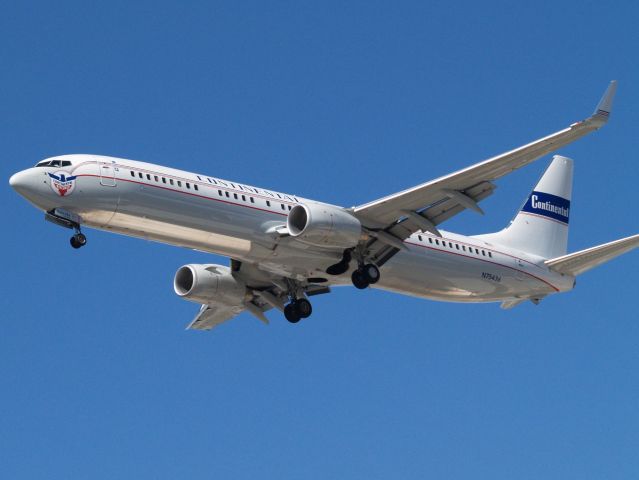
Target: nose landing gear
{"x":68,"y":220}
{"x":78,"y":240}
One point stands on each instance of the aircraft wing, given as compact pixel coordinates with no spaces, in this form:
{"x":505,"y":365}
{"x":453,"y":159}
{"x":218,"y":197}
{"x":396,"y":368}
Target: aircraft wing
{"x":425,"y":206}
{"x":264,"y":290}
{"x":580,"y":262}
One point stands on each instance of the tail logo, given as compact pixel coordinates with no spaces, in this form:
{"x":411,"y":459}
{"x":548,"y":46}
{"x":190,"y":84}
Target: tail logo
{"x":549,"y":206}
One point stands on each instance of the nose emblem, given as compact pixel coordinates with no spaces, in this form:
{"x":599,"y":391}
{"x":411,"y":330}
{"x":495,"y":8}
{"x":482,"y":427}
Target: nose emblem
{"x":62,"y":184}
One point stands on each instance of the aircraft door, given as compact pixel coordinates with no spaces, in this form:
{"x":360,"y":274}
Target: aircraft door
{"x":107,"y":173}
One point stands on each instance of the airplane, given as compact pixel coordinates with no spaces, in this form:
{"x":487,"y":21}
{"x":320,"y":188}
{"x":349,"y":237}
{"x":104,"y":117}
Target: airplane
{"x":284,"y":249}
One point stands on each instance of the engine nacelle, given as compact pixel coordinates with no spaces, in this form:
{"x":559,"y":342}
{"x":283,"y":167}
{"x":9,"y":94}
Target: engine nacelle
{"x":324,"y":226}
{"x":208,"y":284}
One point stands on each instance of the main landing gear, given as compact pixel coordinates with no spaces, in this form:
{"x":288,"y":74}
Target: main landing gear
{"x":365,"y":275}
{"x":298,"y":309}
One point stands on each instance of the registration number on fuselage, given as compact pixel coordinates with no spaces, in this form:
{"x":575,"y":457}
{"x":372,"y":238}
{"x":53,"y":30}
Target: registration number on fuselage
{"x":490,"y":276}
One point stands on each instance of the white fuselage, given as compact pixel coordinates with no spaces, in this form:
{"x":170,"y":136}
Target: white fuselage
{"x":239,"y":221}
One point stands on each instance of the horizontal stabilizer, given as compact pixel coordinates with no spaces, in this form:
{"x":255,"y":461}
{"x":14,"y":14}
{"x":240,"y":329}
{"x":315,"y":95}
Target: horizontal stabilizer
{"x":580,"y":262}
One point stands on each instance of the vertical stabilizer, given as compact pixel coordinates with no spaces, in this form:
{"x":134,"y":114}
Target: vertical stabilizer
{"x":541,"y":226}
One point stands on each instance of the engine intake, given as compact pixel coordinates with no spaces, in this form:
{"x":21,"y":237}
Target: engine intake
{"x":323,"y":226}
{"x":208,"y":284}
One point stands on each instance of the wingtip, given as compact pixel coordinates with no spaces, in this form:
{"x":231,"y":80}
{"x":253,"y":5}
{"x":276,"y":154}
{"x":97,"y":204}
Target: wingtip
{"x":604,"y":107}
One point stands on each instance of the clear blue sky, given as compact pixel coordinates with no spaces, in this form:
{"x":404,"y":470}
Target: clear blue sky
{"x":343,"y":103}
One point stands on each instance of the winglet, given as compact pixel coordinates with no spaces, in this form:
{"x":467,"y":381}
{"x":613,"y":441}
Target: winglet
{"x":604,"y":107}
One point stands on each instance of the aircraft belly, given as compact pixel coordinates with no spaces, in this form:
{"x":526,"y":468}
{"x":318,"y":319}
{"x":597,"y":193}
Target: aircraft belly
{"x":443,"y":276}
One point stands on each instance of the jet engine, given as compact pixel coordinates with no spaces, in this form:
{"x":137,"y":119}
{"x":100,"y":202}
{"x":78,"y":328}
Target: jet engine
{"x":206,"y":284}
{"x":324,"y":226}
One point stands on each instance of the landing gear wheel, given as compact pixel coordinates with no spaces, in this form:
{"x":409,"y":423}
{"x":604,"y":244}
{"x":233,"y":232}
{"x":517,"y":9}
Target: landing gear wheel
{"x":291,"y":313}
{"x":360,"y":279}
{"x":78,"y":240}
{"x":371,"y":272}
{"x":303,"y":307}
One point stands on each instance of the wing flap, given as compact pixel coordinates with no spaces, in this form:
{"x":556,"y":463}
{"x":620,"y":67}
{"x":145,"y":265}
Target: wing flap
{"x":584,"y":260}
{"x":439,"y":212}
{"x":210,"y":316}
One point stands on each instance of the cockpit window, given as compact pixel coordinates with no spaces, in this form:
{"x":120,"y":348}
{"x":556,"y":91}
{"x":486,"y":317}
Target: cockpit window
{"x":54,"y":163}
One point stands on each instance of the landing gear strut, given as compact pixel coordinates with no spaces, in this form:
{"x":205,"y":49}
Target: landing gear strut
{"x":298,"y":309}
{"x":365,"y":275}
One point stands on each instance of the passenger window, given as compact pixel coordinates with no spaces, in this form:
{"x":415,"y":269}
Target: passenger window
{"x":188,"y":185}
{"x":437,"y":241}
{"x":252,"y":200}
{"x":148,"y":177}
{"x":289,"y":207}
{"x":490,"y":254}
{"x":457,"y":246}
{"x":464,"y":248}
{"x":132,"y":173}
{"x":420,"y":238}
{"x":227,"y":194}
{"x":477,"y":251}
{"x":179,"y":183}
{"x":195,"y":186}
{"x":430,"y":240}
{"x":156,"y":178}
{"x":244,"y":198}
{"x":282,"y":206}
{"x":219,"y":192}
{"x":171,"y":181}
{"x":163,"y":179}
{"x":268,"y":203}
{"x":140,"y":174}
{"x":483,"y":252}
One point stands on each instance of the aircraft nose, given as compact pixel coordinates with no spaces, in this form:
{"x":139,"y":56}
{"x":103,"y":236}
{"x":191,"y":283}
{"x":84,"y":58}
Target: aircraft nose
{"x":19,"y":180}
